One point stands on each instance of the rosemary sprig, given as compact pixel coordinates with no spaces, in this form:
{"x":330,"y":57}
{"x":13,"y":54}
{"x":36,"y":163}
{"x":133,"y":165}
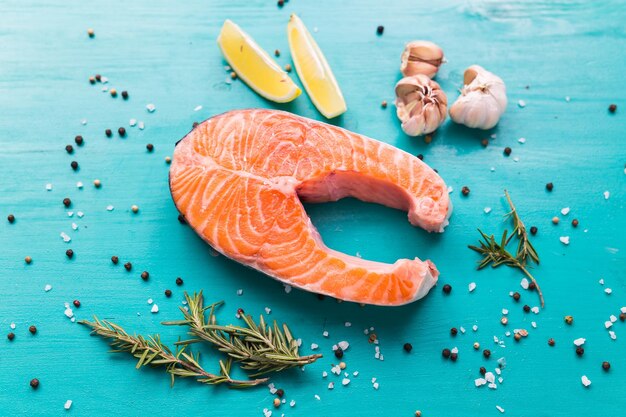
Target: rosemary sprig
{"x":258,"y":347}
{"x":151,"y":351}
{"x":495,"y":254}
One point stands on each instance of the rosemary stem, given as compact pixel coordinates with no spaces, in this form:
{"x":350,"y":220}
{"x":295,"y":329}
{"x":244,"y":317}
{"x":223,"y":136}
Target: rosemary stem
{"x":529,"y":275}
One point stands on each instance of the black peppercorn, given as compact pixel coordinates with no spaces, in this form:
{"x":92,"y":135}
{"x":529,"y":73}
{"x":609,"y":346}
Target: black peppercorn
{"x":115,"y":259}
{"x":446,"y":353}
{"x":516,"y":296}
{"x":551,"y":342}
{"x":453,"y":331}
{"x":181,"y":219}
{"x":240,"y":311}
{"x":613,"y":108}
{"x":121,"y":131}
{"x":179,"y":281}
{"x":447,"y":288}
{"x":11,"y":218}
{"x":531,"y":286}
{"x":482,"y":370}
{"x":125,"y":95}
{"x":420,"y":157}
{"x":34,"y":383}
{"x":622,"y":316}
{"x":526,"y":308}
{"x":280,"y":392}
{"x":533,"y":230}
{"x":69,"y":253}
{"x":32,"y":329}
{"x":484,"y":142}
{"x":79,"y":140}
{"x":575,"y":223}
{"x":74,"y":165}
{"x":76,"y":303}
{"x":606,"y":366}
{"x":339,"y":353}
{"x":549,"y":186}
{"x":11,"y":336}
{"x":150,"y":147}
{"x":98,"y":77}
{"x":407,"y":347}
{"x":465,"y":190}
{"x":454,"y":356}
{"x":281,"y":3}
{"x":92,"y":80}
{"x":108,"y":133}
{"x":486,"y":353}
{"x":67,"y":202}
{"x":507,"y":151}
{"x":194,"y":125}
{"x":168,"y":293}
{"x":128,"y":266}
{"x":69,"y":149}
{"x":580,"y":350}
{"x":145,"y":275}
{"x":320,"y":296}
{"x":380,"y":30}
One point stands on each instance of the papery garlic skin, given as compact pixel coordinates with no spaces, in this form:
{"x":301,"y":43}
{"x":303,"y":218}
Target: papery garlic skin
{"x":420,"y":105}
{"x":421,"y":57}
{"x":482,"y":100}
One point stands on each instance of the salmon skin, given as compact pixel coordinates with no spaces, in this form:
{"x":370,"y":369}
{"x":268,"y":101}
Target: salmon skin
{"x":239,"y":179}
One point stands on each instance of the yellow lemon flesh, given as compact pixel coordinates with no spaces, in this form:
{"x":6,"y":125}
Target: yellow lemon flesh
{"x":313,"y":70}
{"x":254,"y":66}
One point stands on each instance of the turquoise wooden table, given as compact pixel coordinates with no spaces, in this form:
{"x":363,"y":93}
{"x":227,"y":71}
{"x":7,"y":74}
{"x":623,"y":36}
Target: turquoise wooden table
{"x":565,"y":60}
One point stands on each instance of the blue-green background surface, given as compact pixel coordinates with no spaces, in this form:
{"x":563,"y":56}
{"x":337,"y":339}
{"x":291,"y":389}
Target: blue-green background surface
{"x":164,"y":52}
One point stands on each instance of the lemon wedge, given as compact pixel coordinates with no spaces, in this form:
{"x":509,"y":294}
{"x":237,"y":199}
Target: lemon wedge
{"x":313,"y":70}
{"x":254,"y":66}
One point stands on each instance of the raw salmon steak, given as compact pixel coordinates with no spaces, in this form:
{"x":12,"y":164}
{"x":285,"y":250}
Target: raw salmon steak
{"x":239,"y":179}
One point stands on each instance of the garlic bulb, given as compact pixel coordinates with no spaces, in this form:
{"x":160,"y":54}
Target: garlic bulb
{"x":420,"y":105}
{"x":482,"y":100}
{"x":421,"y":57}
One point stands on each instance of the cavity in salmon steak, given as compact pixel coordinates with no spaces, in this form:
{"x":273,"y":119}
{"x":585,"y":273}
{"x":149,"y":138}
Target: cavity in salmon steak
{"x":239,"y":179}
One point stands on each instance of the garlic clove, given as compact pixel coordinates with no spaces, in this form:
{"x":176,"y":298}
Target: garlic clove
{"x":420,"y":105}
{"x":482,"y":100}
{"x":421,"y":57}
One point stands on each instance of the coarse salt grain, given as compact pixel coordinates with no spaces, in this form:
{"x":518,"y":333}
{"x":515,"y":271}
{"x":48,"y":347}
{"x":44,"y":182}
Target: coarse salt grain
{"x":601,"y":282}
{"x":524,"y":283}
{"x":586,"y":381}
{"x":314,"y":346}
{"x":516,"y":159}
{"x":325,"y":333}
{"x":498,"y":371}
{"x":80,"y":214}
{"x":623,"y":310}
{"x":83,"y":122}
{"x":521,"y":103}
{"x":336,"y":370}
{"x":505,"y":311}
{"x":608,"y":290}
{"x":68,"y":404}
{"x":347,"y":324}
{"x":487,"y":210}
{"x":70,"y":213}
{"x":292,"y":403}
{"x":490,"y":377}
{"x":534,"y":324}
{"x":74,"y":226}
{"x":65,"y":237}
{"x":345,"y":381}
{"x":608,"y":324}
{"x":268,"y":310}
{"x":132,"y":122}
{"x":454,"y":350}
{"x":317,"y":397}
{"x":331,"y":385}
{"x":79,"y":184}
{"x":240,"y":292}
{"x":500,"y":409}
{"x":479,"y":382}
{"x":580,"y":341}
{"x":522,"y":140}
{"x":355,"y":373}
{"x":535,"y":310}
{"x":197,"y":108}
{"x":565,"y":211}
{"x":49,"y":187}
{"x":462,"y":329}
{"x":68,"y":312}
{"x":12,"y":326}
{"x":47,"y":288}
{"x":606,"y":195}
{"x":343,"y":345}
{"x":612,"y":334}
{"x":475,"y":327}
{"x":287,"y":288}
{"x":150,"y":107}
{"x":375,"y":385}
{"x":324,"y":374}
{"x":141,"y":125}
{"x":564,"y":240}
{"x":471,"y":286}
{"x":150,"y":300}
{"x":613,"y":318}
{"x":267,"y":412}
{"x":154,"y":309}
{"x":110,"y":208}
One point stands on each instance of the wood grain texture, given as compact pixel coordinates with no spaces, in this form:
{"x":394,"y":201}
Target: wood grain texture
{"x":164,"y":52}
